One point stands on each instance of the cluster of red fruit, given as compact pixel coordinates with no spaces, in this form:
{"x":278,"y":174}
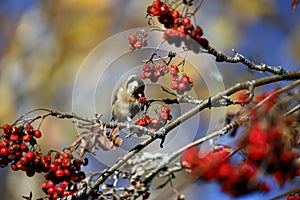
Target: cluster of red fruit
{"x":62,"y":175}
{"x":180,"y":83}
{"x":235,"y":179}
{"x":295,"y":196}
{"x":137,"y":40}
{"x":179,"y":28}
{"x":154,"y":124}
{"x":153,"y":72}
{"x":14,"y":147}
{"x":17,"y":146}
{"x":261,"y":143}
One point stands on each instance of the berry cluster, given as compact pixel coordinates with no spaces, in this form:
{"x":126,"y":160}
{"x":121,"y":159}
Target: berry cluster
{"x":137,"y":40}
{"x":17,"y":146}
{"x":180,"y":83}
{"x":153,"y":72}
{"x":154,"y":124}
{"x":179,"y":28}
{"x":63,"y":174}
{"x":261,"y":143}
{"x":235,"y":179}
{"x":185,"y":32}
{"x":14,"y":147}
{"x":165,"y":15}
{"x":295,"y":196}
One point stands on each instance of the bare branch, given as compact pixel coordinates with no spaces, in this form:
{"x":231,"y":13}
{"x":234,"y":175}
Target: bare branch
{"x":220,"y":57}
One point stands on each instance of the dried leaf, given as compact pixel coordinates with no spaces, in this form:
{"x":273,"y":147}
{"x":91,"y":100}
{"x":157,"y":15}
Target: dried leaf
{"x":104,"y":144}
{"x":118,"y":141}
{"x":294,"y":4}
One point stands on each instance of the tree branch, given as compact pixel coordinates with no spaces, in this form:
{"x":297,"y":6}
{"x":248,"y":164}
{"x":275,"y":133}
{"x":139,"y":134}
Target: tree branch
{"x":167,"y":128}
{"x":220,"y":57}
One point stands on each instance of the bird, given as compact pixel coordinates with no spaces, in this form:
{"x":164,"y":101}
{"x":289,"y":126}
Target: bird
{"x":125,"y":101}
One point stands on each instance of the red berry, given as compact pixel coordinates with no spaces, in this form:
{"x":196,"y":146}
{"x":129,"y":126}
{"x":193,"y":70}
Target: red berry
{"x":132,"y":39}
{"x":27,"y":138}
{"x":156,"y":4}
{"x":67,"y":172}
{"x":185,"y":79}
{"x":174,"y":85}
{"x":186,"y":21}
{"x":50,"y":184}
{"x":181,"y":86}
{"x":30,"y":173}
{"x":59,"y":173}
{"x":66,"y":162}
{"x":4,"y":152}
{"x":257,"y":135}
{"x":47,"y":158}
{"x":174,"y":70}
{"x":67,"y":155}
{"x":164,"y":9}
{"x":198,"y":31}
{"x":53,"y":166}
{"x":164,"y":116}
{"x":75,"y":177}
{"x":14,"y":137}
{"x":3,"y":143}
{"x":291,"y":197}
{"x":30,"y":155}
{"x":141,"y":122}
{"x":66,"y":193}
{"x":143,"y":100}
{"x":24,"y":147}
{"x":175,"y":13}
{"x":29,"y":128}
{"x":153,"y":10}
{"x":224,"y":170}
{"x":131,"y":47}
{"x":190,"y":158}
{"x":138,"y":44}
{"x":147,"y":67}
{"x":165,"y":109}
{"x":7,"y":128}
{"x":181,"y":30}
{"x":147,"y":119}
{"x":64,"y":184}
{"x":37,"y":134}
{"x":156,"y":73}
{"x":51,"y":191}
{"x":14,"y":167}
{"x":44,"y":186}
{"x":143,"y":75}
{"x":60,"y":190}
